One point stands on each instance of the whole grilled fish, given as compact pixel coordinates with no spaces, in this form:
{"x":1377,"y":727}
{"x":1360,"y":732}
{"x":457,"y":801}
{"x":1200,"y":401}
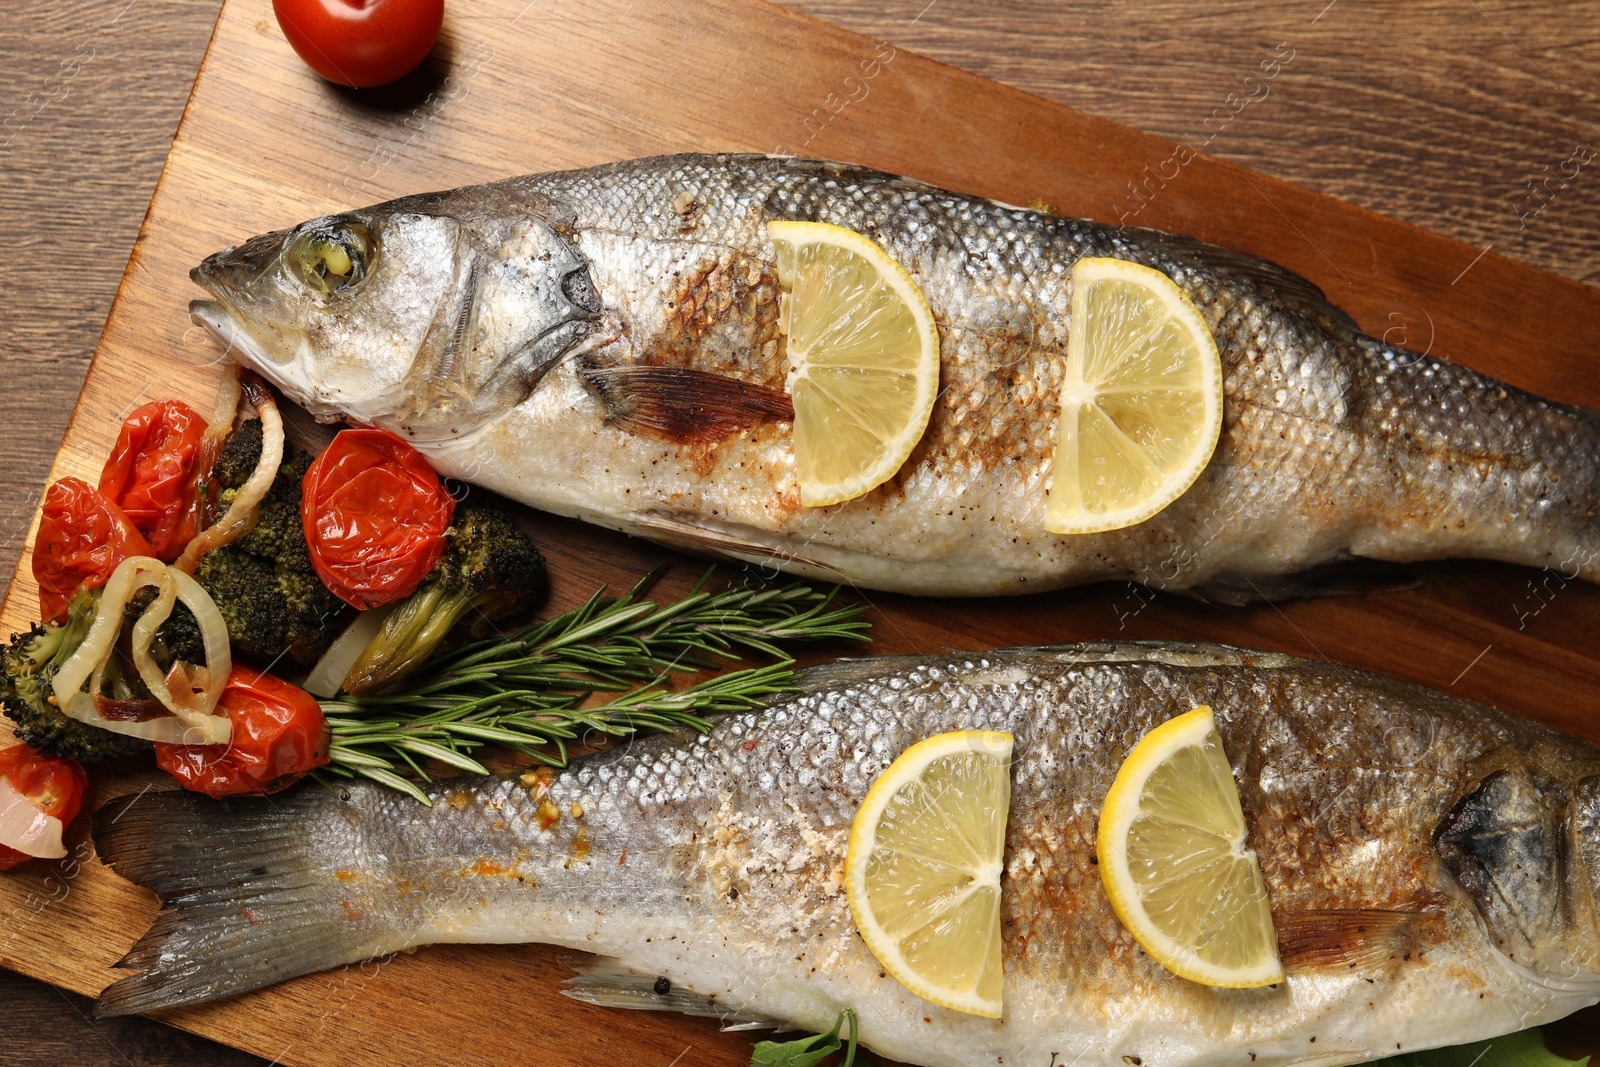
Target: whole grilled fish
{"x":1433,"y":865}
{"x":606,"y":344}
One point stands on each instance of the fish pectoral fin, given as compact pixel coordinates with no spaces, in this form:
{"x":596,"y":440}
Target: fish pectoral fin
{"x":1354,"y":576}
{"x":724,"y":539}
{"x":1349,"y":938}
{"x":608,"y":983}
{"x":681,"y":405}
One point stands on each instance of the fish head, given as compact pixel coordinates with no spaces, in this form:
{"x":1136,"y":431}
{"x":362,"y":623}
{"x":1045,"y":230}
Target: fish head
{"x":1583,"y":877}
{"x":1526,"y":851}
{"x":426,"y":316}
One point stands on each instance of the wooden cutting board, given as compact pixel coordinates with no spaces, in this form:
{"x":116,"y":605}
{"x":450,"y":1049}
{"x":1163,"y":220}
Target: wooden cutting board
{"x":521,"y":86}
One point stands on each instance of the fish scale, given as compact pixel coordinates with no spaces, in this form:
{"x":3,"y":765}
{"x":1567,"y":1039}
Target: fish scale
{"x":716,"y":861}
{"x":1334,"y":445}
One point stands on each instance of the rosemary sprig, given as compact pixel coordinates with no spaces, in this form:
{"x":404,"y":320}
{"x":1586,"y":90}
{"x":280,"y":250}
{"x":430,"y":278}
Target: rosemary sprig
{"x":525,"y":691}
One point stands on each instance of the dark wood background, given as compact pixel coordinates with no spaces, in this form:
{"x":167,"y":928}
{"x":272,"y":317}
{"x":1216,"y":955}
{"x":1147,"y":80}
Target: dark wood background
{"x":1438,"y":114}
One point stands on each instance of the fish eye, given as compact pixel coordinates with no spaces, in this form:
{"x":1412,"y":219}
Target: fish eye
{"x":331,"y":255}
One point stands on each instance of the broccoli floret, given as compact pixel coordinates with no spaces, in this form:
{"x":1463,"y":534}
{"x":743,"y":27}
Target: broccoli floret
{"x":30,"y":663}
{"x":278,"y":532}
{"x":245,"y":589}
{"x":238,"y":456}
{"x":490,"y":570}
{"x":180,"y":637}
{"x":491,"y":562}
{"x":177,"y":638}
{"x":314,"y":613}
{"x":263,"y":583}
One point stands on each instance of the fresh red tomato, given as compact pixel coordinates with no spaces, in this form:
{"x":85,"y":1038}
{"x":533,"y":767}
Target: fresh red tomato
{"x":54,"y":786}
{"x":375,"y":517}
{"x":151,"y":474}
{"x":361,"y":43}
{"x":279,"y":734}
{"x":82,"y":537}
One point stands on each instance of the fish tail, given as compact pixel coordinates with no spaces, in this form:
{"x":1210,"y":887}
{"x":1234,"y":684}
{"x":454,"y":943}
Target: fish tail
{"x":1576,"y":504}
{"x":244,"y":901}
{"x":1471,"y":466}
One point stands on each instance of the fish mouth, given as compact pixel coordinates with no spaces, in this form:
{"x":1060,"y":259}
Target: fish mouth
{"x":239,"y":343}
{"x":217,"y":321}
{"x":236,"y":341}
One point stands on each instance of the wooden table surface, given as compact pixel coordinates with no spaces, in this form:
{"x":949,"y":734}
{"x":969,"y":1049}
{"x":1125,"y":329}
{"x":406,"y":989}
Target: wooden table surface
{"x":1440,"y":114}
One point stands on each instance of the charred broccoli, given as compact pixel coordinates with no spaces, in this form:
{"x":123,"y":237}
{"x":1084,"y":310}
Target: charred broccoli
{"x":490,"y":570}
{"x":177,"y":638}
{"x":30,"y":663}
{"x":263,"y":583}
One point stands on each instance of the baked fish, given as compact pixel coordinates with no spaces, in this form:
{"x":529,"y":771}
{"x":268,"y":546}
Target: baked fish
{"x":1433,"y":865}
{"x":606,"y":344}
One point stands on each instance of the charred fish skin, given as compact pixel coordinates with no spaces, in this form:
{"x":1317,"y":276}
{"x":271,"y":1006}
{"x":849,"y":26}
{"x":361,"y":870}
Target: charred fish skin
{"x":1394,"y":827}
{"x":504,"y":329}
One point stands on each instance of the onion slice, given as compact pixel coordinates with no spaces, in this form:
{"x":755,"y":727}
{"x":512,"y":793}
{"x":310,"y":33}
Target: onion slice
{"x":26,"y":828}
{"x":217,"y":430}
{"x":227,"y":404}
{"x":213,"y":677}
{"x":328,"y":676}
{"x":240,"y":518}
{"x":144,"y":631}
{"x":193,"y":719}
{"x":100,"y":642}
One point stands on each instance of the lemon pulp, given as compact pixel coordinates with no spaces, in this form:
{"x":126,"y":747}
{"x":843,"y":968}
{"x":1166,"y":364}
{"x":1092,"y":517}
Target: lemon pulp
{"x":863,"y":352}
{"x":1173,"y":860}
{"x":1141,"y":400}
{"x":922,"y":870}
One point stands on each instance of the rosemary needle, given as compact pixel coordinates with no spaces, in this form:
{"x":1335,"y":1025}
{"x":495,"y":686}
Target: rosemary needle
{"x":525,"y":691}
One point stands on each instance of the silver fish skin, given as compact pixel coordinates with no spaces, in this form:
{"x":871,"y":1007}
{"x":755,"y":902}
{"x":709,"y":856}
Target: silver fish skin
{"x":504,"y":330}
{"x":1433,"y":865}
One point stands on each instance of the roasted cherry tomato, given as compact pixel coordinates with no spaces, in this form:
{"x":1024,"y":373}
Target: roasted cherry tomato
{"x":361,"y":43}
{"x":54,"y":786}
{"x":375,"y":517}
{"x":151,"y":474}
{"x":279,"y":734}
{"x":82,"y":537}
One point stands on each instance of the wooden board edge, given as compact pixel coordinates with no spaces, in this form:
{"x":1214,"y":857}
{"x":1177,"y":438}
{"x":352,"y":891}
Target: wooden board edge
{"x":25,"y":555}
{"x":1160,"y":147}
{"x":1157,"y":146}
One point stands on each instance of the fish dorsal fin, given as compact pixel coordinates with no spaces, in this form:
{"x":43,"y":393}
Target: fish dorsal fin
{"x":1361,"y":939}
{"x":682,"y":405}
{"x":1287,"y":287}
{"x":608,"y":983}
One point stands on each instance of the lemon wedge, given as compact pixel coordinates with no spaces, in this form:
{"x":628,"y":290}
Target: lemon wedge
{"x":1141,"y":403}
{"x":863,"y":359}
{"x":922,"y":870}
{"x":1173,"y":859}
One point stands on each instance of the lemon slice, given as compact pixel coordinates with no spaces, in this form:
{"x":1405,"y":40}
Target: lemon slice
{"x":863,"y":359}
{"x":922,"y":870}
{"x":1141,"y":404}
{"x":1172,"y":857}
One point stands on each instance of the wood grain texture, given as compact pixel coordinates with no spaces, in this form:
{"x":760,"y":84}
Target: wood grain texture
{"x":1438,"y":113}
{"x":90,"y":93}
{"x":758,"y":78}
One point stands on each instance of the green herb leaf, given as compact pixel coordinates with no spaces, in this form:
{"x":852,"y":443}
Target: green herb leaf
{"x":524,"y":691}
{"x":1523,"y":1049}
{"x":813,"y":1049}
